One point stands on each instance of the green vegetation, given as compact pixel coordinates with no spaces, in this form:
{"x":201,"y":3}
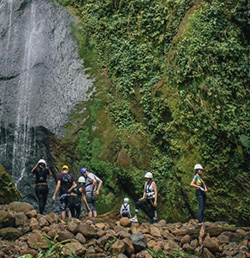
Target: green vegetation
{"x":171,"y":91}
{"x":8,"y":192}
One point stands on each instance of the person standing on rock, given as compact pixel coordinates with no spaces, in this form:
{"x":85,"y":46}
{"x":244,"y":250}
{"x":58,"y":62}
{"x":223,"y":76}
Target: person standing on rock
{"x":90,"y":188}
{"x":76,"y":193}
{"x":149,"y":197}
{"x":65,"y":182}
{"x":41,"y":189}
{"x":201,"y":190}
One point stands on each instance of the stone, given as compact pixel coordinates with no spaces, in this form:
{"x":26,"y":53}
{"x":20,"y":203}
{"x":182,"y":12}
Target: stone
{"x":100,"y":225}
{"x":151,"y":243}
{"x":31,"y":214}
{"x":207,"y":253}
{"x":187,"y":248}
{"x":80,"y":238}
{"x":6,"y":219}
{"x":118,"y":247}
{"x":122,"y":256}
{"x":129,"y":248}
{"x":43,"y":222}
{"x":139,"y":241}
{"x":20,"y":207}
{"x":185,"y":239}
{"x":125,"y":222}
{"x":10,"y":233}
{"x":77,"y":246}
{"x":34,"y":239}
{"x":86,"y":230}
{"x":157,"y":248}
{"x":64,"y":235}
{"x":171,"y":245}
{"x":211,"y":244}
{"x":154,"y":231}
{"x":72,"y":225}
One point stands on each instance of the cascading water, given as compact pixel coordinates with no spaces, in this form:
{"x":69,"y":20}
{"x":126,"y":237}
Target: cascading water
{"x":41,"y":80}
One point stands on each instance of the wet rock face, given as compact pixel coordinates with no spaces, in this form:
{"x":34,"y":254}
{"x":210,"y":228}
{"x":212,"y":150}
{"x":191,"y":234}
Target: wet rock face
{"x":41,"y":80}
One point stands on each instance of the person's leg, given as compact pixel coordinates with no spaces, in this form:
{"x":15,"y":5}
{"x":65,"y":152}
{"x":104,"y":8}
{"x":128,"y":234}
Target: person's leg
{"x":39,"y":196}
{"x":154,"y":211}
{"x":201,"y":207}
{"x":138,"y":205}
{"x":63,"y":214}
{"x":44,"y":191}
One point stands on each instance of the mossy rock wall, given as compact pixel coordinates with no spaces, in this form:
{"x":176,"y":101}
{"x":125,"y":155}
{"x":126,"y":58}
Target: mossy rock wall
{"x":171,"y":91}
{"x":8,"y":191}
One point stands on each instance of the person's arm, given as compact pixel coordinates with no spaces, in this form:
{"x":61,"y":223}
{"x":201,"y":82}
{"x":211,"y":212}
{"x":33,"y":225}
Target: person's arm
{"x":34,"y":167}
{"x":58,"y":185}
{"x":93,"y":186}
{"x":72,"y":187}
{"x":84,"y":199}
{"x":144,"y":193}
{"x":205,"y":187}
{"x":156,"y":193}
{"x":99,"y":186}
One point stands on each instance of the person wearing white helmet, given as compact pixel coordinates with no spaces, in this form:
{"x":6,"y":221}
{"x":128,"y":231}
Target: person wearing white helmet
{"x":76,"y":193}
{"x":149,"y":197}
{"x":201,"y":190}
{"x":125,"y":208}
{"x":41,"y":189}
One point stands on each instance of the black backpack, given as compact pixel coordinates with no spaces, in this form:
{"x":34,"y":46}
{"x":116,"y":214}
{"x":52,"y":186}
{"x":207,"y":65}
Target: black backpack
{"x":67,"y":179}
{"x":125,"y":212}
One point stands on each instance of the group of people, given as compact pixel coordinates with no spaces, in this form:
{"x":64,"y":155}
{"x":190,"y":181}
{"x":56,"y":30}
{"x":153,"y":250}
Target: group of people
{"x":70,"y":192}
{"x":88,"y":188}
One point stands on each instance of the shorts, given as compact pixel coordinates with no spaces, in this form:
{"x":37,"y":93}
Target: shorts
{"x":64,"y":202}
{"x":91,"y":199}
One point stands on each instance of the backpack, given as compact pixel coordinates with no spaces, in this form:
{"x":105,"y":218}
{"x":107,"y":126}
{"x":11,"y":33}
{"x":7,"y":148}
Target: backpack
{"x":67,"y":179}
{"x":125,"y":212}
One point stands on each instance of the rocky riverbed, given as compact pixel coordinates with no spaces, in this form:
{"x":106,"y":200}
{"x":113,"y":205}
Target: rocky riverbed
{"x":22,"y":231}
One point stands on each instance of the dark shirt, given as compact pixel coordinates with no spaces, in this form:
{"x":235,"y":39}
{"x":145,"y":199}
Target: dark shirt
{"x":41,"y":174}
{"x":65,"y":186}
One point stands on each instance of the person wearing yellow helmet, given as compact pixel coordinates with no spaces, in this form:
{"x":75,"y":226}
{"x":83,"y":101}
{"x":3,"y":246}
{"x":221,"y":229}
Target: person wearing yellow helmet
{"x":65,"y":182}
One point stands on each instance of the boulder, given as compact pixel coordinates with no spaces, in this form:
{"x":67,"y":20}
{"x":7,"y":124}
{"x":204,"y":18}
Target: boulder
{"x":118,"y":247}
{"x":20,"y":207}
{"x":139,"y":241}
{"x":125,"y":222}
{"x":86,"y":230}
{"x":6,"y":219}
{"x":10,"y":233}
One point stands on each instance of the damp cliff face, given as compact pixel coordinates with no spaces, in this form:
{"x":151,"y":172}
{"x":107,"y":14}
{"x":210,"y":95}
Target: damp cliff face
{"x":41,"y":80}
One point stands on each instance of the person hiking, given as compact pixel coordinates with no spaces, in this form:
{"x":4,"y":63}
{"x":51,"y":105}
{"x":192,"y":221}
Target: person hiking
{"x":65,"y":181}
{"x":41,"y":188}
{"x":90,"y":188}
{"x":201,"y":190}
{"x":125,"y":209}
{"x":149,"y":198}
{"x":76,"y":193}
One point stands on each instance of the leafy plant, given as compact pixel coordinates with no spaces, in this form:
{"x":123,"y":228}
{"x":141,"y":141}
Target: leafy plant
{"x":55,"y":249}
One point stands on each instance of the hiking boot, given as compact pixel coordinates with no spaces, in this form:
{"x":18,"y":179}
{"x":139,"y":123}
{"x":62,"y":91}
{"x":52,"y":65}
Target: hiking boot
{"x":154,"y":221}
{"x":135,"y":220}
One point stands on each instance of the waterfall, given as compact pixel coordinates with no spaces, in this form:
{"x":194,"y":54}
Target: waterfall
{"x":22,"y":140}
{"x":41,"y":80}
